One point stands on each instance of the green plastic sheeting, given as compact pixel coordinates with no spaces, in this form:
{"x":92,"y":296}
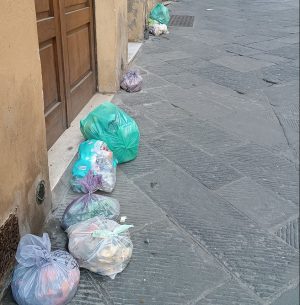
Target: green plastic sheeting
{"x":116,"y":128}
{"x":161,"y":14}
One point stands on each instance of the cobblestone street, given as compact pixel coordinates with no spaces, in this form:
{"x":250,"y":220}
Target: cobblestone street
{"x":213,"y":194}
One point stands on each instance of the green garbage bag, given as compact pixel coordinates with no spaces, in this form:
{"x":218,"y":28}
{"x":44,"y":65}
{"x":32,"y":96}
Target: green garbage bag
{"x":160,"y":13}
{"x":116,"y":128}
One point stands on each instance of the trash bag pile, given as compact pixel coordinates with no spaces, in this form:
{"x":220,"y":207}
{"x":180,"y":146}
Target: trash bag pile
{"x":159,"y":20}
{"x":97,"y":242}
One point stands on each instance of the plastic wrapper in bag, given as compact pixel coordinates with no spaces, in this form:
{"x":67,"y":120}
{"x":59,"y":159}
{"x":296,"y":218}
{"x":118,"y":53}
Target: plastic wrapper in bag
{"x":116,"y":128}
{"x":101,"y":245}
{"x":42,"y":277}
{"x":161,"y":14}
{"x":95,"y":168}
{"x":132,"y":81}
{"x":158,"y":29}
{"x":89,"y":206}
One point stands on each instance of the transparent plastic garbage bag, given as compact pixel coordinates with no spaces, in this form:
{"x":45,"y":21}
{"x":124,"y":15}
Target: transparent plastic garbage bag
{"x":89,"y":206}
{"x":101,"y":245}
{"x":132,"y":81}
{"x":42,"y":277}
{"x":95,"y":168}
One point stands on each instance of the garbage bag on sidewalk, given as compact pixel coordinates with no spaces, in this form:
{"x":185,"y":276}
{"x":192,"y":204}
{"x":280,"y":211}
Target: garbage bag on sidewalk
{"x":101,"y":245}
{"x":155,"y":28}
{"x":132,"y":81}
{"x":161,"y":14}
{"x":89,"y":206}
{"x":112,"y":125}
{"x":42,"y":277}
{"x":95,"y":168}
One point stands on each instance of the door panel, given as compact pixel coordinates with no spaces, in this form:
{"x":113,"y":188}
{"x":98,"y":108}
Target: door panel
{"x":79,"y":58}
{"x":78,"y":48}
{"x":66,"y":39}
{"x":51,"y":64}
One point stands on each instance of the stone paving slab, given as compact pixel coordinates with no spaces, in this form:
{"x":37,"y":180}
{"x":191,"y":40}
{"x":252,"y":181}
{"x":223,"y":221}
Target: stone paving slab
{"x":239,"y":49}
{"x":268,"y":45}
{"x":199,"y":103}
{"x":270,"y":58}
{"x":241,"y":81}
{"x":250,"y":253}
{"x":211,"y":139}
{"x":138,"y":208}
{"x":280,"y":73}
{"x":291,"y":52}
{"x":163,"y":272}
{"x":241,"y":63}
{"x":249,"y":124}
{"x":146,"y":161}
{"x":87,"y":293}
{"x":230,"y":293}
{"x":163,"y":112}
{"x":144,"y":97}
{"x":185,"y":80}
{"x":208,"y":170}
{"x":275,"y":173}
{"x":289,"y":232}
{"x":261,"y":205}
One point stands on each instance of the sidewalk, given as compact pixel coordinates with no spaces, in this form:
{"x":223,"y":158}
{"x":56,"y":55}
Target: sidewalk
{"x":213,"y":194}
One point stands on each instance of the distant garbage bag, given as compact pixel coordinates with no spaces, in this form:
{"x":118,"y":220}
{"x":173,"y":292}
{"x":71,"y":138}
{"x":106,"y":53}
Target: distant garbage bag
{"x":161,"y":14}
{"x":42,"y":277}
{"x":95,"y":168}
{"x":116,"y":128}
{"x":101,"y":245}
{"x":132,"y":81}
{"x":155,"y":28}
{"x":89,"y":206}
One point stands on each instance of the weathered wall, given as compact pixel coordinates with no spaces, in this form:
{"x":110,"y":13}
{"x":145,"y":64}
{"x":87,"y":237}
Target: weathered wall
{"x":112,"y":43}
{"x":136,"y":19}
{"x":23,"y":154}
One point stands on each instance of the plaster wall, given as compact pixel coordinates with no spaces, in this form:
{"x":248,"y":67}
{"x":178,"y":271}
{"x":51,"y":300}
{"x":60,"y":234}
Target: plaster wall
{"x":111,"y":43}
{"x":23,"y":153}
{"x":136,"y":20}
{"x":151,"y":4}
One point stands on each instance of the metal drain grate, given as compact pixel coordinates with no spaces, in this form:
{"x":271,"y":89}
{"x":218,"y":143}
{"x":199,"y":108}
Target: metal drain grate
{"x":182,"y":20}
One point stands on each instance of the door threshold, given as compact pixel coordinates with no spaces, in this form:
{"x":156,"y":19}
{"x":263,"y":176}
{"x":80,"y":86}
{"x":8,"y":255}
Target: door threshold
{"x":133,"y":49}
{"x":65,"y":148}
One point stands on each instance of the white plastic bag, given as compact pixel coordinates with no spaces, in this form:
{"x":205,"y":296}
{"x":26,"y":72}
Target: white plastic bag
{"x":158,"y":29}
{"x":43,"y":277}
{"x":101,"y":245}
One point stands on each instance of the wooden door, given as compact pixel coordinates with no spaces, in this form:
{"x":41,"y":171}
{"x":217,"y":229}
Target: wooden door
{"x":52,"y":68}
{"x":66,"y":39}
{"x":78,"y":50}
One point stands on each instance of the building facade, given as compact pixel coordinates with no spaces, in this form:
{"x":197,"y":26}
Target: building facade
{"x":55,"y":55}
